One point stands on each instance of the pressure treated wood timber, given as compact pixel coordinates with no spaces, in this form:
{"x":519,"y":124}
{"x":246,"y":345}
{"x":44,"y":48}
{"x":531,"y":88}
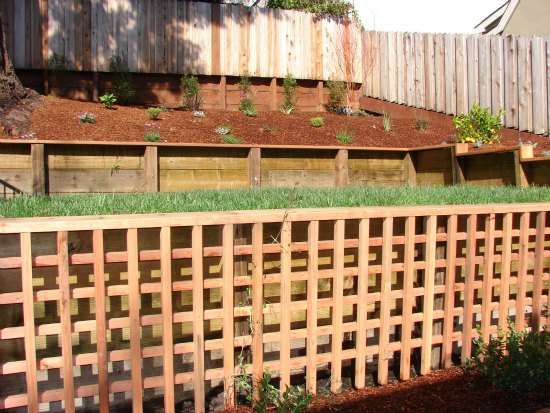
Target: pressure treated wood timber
{"x":469,"y":292}
{"x":521,"y":169}
{"x":198,"y":317}
{"x":505,"y":270}
{"x":428,"y":302}
{"x":385,"y":289}
{"x":257,"y":347}
{"x":538,"y":271}
{"x":408,"y":284}
{"x":38,"y":169}
{"x":151,"y":167}
{"x":286,"y":302}
{"x":337,"y":313}
{"x":488,"y":273}
{"x":523,"y":263}
{"x":342,"y":167}
{"x":450,"y":279}
{"x":255,"y":167}
{"x":228,"y":315}
{"x":312,"y":297}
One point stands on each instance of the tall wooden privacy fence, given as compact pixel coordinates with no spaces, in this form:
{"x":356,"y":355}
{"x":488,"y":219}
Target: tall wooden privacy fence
{"x":101,"y":310}
{"x":449,"y":73}
{"x":176,"y":36}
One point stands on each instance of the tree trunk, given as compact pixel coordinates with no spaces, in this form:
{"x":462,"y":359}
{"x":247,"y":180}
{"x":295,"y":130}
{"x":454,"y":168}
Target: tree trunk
{"x":11,"y":88}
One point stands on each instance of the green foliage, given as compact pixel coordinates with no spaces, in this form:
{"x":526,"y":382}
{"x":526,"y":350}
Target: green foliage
{"x":345,"y":137}
{"x":386,"y":122}
{"x":290,"y":90}
{"x":108,"y":100}
{"x":317,"y":121}
{"x":247,"y":95}
{"x":267,"y":128}
{"x":336,"y":93}
{"x":87,"y":118}
{"x":223,"y":129}
{"x":231,"y":139}
{"x":513,"y":360}
{"x":191,"y":92}
{"x":330,"y":8}
{"x":478,"y":125}
{"x":154,"y":113}
{"x":122,"y":79}
{"x":422,"y":123}
{"x":152,"y":133}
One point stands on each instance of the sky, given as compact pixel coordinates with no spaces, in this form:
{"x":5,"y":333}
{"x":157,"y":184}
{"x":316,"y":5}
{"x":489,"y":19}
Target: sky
{"x":427,"y":16}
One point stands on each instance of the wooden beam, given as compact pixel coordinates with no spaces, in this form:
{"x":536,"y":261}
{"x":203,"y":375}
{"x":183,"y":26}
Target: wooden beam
{"x":168,"y":319}
{"x":38,"y":168}
{"x":320,"y":96}
{"x":45,"y":45}
{"x":457,"y":163}
{"x":409,"y":169}
{"x":362,"y":308}
{"x":273,"y":94}
{"x":342,"y":167}
{"x":257,"y":347}
{"x":228,"y":314}
{"x":255,"y":167}
{"x":521,"y":170}
{"x":198,"y":317}
{"x":151,"y":167}
{"x":312,"y":298}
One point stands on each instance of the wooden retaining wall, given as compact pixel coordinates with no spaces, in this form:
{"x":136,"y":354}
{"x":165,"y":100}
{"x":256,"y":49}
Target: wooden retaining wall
{"x":127,"y":310}
{"x":49,"y":167}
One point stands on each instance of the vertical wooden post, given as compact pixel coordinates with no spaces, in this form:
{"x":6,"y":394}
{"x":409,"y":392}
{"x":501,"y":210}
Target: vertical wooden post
{"x":38,"y":167}
{"x":408,"y":299}
{"x":286,"y":302}
{"x":409,"y":169}
{"x":228,"y":314}
{"x":429,"y":284}
{"x":438,"y":302}
{"x":488,"y":262}
{"x":28,"y":322}
{"x":101,"y":322}
{"x":150,"y":165}
{"x":273,"y":94}
{"x":505,"y":270}
{"x":337,"y":305}
{"x":457,"y":163}
{"x":135,"y":324}
{"x":312,"y":297}
{"x":223,"y":93}
{"x":521,"y":170}
{"x":255,"y":168}
{"x":257,"y":305}
{"x":342,"y":168}
{"x":362,"y":308}
{"x":320,"y":96}
{"x":450,"y":277}
{"x":45,"y":45}
{"x":538,"y":271}
{"x":523,"y":263}
{"x":385,"y":292}
{"x":198,"y":318}
{"x":469,"y":287}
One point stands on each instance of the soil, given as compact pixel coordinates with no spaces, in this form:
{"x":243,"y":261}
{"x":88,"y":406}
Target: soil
{"x":453,"y":390}
{"x":57,"y":119}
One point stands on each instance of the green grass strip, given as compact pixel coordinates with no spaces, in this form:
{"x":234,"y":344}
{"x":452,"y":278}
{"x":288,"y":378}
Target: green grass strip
{"x":266,"y":198}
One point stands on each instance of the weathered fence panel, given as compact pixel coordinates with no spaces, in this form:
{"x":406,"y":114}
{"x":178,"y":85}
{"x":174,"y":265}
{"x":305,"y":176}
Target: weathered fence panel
{"x":134,"y":310}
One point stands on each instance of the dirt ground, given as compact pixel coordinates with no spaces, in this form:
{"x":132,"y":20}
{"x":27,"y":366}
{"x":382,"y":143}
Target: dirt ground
{"x":57,"y":119}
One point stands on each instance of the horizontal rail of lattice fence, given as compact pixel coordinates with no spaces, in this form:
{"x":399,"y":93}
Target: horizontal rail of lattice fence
{"x":101,"y":309}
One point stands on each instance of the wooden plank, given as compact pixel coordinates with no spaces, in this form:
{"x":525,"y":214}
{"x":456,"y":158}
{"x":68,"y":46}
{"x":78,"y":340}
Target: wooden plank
{"x":484,"y":72}
{"x":523,"y":264}
{"x":20,"y":46}
{"x":505,"y":270}
{"x":151,"y":169}
{"x":429,"y":285}
{"x":469,"y":293}
{"x":409,"y":169}
{"x":198,"y":317}
{"x":101,"y":322}
{"x":167,"y":318}
{"x":408,"y":299}
{"x":520,"y":169}
{"x":525,"y":85}
{"x":440,"y":80}
{"x":342,"y":167}
{"x":135,"y":328}
{"x":228,"y":314}
{"x":385,"y":291}
{"x":450,"y":74}
{"x":429,"y":65}
{"x":255,"y":167}
{"x":312,"y":299}
{"x":488,"y":272}
{"x":497,"y":79}
{"x":450,"y":279}
{"x":473,"y":70}
{"x":539,"y":85}
{"x":392,"y":67}
{"x":337,"y":306}
{"x":38,"y":168}
{"x":65,"y":319}
{"x":511,"y":97}
{"x":257,"y":347}
{"x":286,"y":303}
{"x":362,"y":307}
{"x":537,"y":324}
{"x":461,"y":70}
{"x":419,"y":77}
{"x":401,"y":68}
{"x":28,"y":322}
{"x":410,"y":56}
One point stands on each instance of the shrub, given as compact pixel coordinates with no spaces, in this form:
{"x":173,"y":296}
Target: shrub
{"x":87,"y":118}
{"x":223,"y":129}
{"x":152,"y":133}
{"x":386,"y":122}
{"x":336,"y":94}
{"x":331,"y":8}
{"x":247,"y":100}
{"x":108,"y":100}
{"x":317,"y":121}
{"x":154,"y":113}
{"x":122,"y":80}
{"x":422,"y":123}
{"x":513,"y":360}
{"x":231,"y":139}
{"x":478,"y":125}
{"x":191,"y":91}
{"x":345,"y":137}
{"x":290,"y":89}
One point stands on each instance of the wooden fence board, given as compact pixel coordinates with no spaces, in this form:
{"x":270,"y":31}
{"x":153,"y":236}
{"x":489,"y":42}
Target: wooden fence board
{"x":228,"y":314}
{"x":473,"y":70}
{"x":429,"y":71}
{"x":540,"y":92}
{"x":497,"y":80}
{"x":511,"y":97}
{"x":488,"y":272}
{"x":440,"y":72}
{"x":484,"y":56}
{"x":461,"y":75}
{"x":428,"y":301}
{"x":198,"y":317}
{"x":525,"y":85}
{"x":523,"y":264}
{"x":450,"y":277}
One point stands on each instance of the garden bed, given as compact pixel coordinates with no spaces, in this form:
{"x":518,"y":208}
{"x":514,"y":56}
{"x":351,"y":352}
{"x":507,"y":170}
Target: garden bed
{"x":57,"y":119}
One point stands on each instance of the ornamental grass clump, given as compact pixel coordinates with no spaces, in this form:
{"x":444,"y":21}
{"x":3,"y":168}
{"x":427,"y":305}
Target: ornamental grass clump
{"x":478,"y":125}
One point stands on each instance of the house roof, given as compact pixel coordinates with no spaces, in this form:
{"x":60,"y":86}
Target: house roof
{"x":497,"y":20}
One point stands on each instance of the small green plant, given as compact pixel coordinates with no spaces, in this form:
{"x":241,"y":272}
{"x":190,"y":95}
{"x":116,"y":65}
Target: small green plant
{"x":513,"y":360}
{"x":386,"y":122}
{"x":152,"y":133}
{"x":108,"y":100}
{"x":422,"y":123}
{"x":247,"y":96}
{"x":87,"y":118}
{"x":199,"y":114}
{"x":478,"y":125}
{"x":154,"y":113}
{"x":122,"y":79}
{"x":317,"y":121}
{"x":290,"y":89}
{"x":267,"y":128}
{"x":223,"y":129}
{"x":336,"y":94}
{"x":191,"y":92}
{"x":345,"y":137}
{"x":231,"y":139}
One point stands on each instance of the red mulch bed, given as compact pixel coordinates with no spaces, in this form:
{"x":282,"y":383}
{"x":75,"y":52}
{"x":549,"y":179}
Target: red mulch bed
{"x":57,"y":119}
{"x":451,"y":391}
